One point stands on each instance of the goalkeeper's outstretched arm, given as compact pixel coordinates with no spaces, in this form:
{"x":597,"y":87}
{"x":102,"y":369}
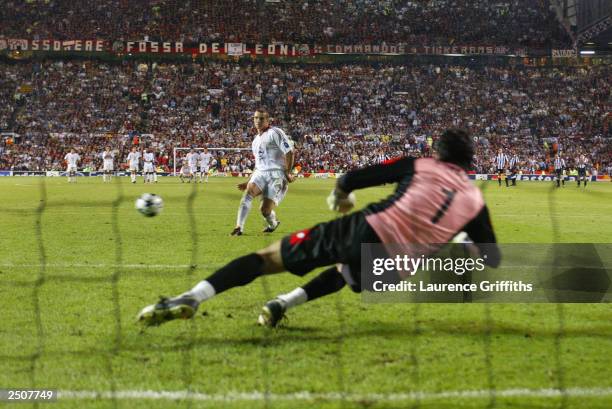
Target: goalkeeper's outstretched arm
{"x":390,"y":171}
{"x":480,"y":230}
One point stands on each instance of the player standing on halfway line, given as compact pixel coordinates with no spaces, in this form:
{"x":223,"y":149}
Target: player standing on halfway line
{"x":581,"y":164}
{"x":133,"y":161}
{"x":560,"y":170}
{"x":274,"y":155}
{"x":148,"y":168}
{"x":433,"y":201}
{"x":501,"y":160}
{"x":72,"y":160}
{"x":108,"y":167}
{"x":204,"y":160}
{"x":192,"y":161}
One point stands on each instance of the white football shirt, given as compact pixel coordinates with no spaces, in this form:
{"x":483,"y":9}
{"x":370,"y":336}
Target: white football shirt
{"x":149,"y":157}
{"x":192,"y":159}
{"x":72,"y":158}
{"x":107,"y":156}
{"x":269,"y":149}
{"x":133,"y":158}
{"x":205,"y":159}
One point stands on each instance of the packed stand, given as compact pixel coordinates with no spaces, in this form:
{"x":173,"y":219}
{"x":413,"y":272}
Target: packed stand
{"x":341,"y":117}
{"x":428,"y":22}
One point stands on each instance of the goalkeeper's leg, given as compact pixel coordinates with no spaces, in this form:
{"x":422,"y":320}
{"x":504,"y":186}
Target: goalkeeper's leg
{"x":238,"y":272}
{"x":299,"y":253}
{"x":328,"y":282}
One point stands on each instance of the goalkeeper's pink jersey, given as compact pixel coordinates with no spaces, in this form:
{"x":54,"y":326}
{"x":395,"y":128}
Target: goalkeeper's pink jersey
{"x":437,"y":202}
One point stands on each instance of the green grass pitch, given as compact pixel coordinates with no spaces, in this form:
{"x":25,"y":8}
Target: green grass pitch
{"x":333,"y":353}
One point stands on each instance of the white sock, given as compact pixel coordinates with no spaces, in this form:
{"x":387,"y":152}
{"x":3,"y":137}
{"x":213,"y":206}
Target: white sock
{"x":243,"y":210}
{"x":271,"y":219}
{"x":133,"y":177}
{"x":202,"y":291}
{"x":155,"y":177}
{"x":294,"y":298}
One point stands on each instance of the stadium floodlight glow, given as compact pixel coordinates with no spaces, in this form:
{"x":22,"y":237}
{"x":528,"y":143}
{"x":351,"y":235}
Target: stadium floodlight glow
{"x":587,"y":52}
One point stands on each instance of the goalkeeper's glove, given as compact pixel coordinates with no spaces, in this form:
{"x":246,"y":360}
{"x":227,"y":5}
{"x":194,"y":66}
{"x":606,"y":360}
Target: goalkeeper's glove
{"x":340,"y":201}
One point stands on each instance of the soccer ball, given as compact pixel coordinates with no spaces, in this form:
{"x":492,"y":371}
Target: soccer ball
{"x":149,"y":204}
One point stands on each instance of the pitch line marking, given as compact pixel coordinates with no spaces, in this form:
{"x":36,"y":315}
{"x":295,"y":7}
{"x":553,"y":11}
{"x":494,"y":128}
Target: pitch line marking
{"x":208,"y":265}
{"x":123,"y":266}
{"x":333,"y":396}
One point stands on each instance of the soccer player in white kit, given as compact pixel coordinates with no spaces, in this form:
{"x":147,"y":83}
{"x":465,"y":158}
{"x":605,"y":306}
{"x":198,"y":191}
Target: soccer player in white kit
{"x":274,"y":155}
{"x":192,"y":161}
{"x":133,"y":161}
{"x":107,"y":164}
{"x":72,"y":159}
{"x":148,"y":170}
{"x":205,"y":159}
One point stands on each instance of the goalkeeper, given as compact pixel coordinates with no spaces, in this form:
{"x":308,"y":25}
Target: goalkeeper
{"x":433,"y":201}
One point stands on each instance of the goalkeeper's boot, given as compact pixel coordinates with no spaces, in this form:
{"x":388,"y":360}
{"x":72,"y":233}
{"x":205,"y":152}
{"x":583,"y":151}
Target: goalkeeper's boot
{"x":272,"y":313}
{"x":168,"y":309}
{"x":270,"y":229}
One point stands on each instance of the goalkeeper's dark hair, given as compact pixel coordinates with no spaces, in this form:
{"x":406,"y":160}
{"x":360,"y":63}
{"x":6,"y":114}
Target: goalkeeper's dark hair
{"x":456,"y":146}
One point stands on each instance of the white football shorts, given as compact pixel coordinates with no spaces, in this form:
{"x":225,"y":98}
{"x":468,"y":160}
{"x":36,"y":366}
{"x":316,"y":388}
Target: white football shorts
{"x":272,"y":183}
{"x":108,"y":165}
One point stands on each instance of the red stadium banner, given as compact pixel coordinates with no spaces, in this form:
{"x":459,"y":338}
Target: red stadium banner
{"x":238,"y":49}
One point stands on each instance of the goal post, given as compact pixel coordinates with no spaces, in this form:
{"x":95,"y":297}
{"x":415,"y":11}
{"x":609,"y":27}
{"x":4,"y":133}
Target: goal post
{"x":176,"y":153}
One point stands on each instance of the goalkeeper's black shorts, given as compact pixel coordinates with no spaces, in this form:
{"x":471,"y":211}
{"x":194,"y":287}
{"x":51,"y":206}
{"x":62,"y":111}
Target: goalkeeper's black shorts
{"x":329,"y":243}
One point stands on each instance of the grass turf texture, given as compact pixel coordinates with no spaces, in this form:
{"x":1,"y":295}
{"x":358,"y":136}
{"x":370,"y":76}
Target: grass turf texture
{"x":94,"y":285}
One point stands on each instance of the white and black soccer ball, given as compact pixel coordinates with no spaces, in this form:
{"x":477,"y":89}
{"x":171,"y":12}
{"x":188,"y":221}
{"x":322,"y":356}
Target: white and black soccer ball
{"x":149,"y":204}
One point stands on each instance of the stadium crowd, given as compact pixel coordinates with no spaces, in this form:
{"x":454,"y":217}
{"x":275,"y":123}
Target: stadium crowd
{"x":433,"y":22}
{"x":341,"y":117}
